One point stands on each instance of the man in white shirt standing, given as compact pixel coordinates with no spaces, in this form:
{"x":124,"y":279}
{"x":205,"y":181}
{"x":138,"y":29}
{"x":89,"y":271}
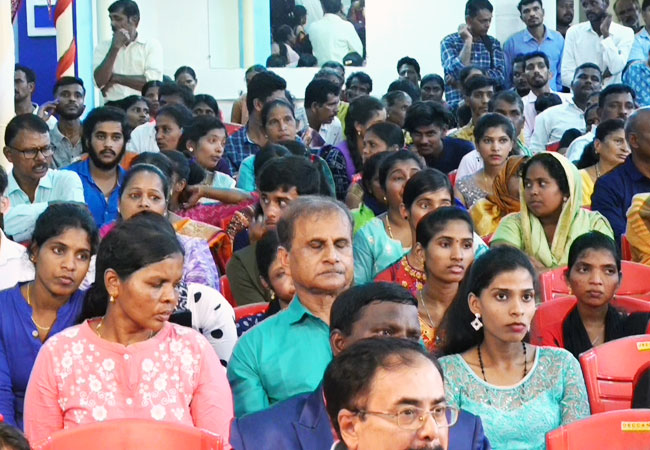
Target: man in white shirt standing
{"x":332,"y":37}
{"x":552,"y":123}
{"x":15,"y":266}
{"x":600,"y":41}
{"x":124,"y":64}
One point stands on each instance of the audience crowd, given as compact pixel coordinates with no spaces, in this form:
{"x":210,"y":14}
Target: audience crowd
{"x":289,"y":278}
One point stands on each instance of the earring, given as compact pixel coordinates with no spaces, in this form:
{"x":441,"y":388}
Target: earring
{"x":476,"y":323}
{"x":111,"y":299}
{"x":272,"y":295}
{"x":385,"y":198}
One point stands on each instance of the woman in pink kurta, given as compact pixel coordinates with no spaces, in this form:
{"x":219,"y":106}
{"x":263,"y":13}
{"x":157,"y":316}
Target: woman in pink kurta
{"x":130,"y":362}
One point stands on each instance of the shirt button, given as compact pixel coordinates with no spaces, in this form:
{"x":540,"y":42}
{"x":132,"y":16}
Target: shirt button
{"x":129,"y":401}
{"x":126,"y":356}
{"x":35,"y":333}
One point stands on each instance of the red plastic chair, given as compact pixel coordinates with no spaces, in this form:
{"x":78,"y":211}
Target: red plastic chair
{"x":452,"y":177}
{"x":232,"y":128}
{"x":635,"y":283}
{"x":610,"y":371}
{"x":626,"y":250}
{"x":132,"y":434}
{"x":628,"y":429}
{"x":242,"y":312}
{"x":226,"y":291}
{"x":546,"y":327}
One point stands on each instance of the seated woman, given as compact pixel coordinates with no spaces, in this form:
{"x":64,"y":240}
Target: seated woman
{"x":488,"y":212}
{"x":279,"y":123}
{"x":136,"y":109}
{"x":171,"y":121}
{"x":551,"y":215}
{"x":345,"y":159}
{"x":130,"y":363}
{"x":273,"y":277}
{"x":206,"y":105}
{"x":494,"y":136}
{"x":387,"y":237}
{"x":186,"y":76}
{"x":283,"y":39}
{"x":426,"y":191}
{"x":150,"y":91}
{"x":146,"y":188}
{"x":638,"y":228}
{"x":594,"y":274}
{"x":64,"y":239}
{"x":373,"y":200}
{"x":520,"y":391}
{"x":608,"y":151}
{"x":204,"y":140}
{"x":380,"y":138}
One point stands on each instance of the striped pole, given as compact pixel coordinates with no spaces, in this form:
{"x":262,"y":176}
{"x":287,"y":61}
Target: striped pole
{"x":66,"y":48}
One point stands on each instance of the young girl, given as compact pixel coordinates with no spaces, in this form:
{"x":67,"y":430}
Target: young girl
{"x":373,"y":201}
{"x":494,"y":135}
{"x":171,"y":121}
{"x":521,"y":392}
{"x":64,"y":239}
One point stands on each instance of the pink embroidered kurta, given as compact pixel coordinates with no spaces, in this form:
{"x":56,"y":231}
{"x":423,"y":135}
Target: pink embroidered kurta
{"x":79,"y":378}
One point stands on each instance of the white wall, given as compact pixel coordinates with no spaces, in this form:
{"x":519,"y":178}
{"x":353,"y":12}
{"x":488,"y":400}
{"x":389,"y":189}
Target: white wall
{"x":206,"y":37}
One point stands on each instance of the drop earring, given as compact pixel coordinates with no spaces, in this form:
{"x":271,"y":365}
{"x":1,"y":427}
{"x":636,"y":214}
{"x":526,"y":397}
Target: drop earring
{"x":476,"y":323}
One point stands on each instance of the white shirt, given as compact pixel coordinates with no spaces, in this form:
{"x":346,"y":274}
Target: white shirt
{"x":15,"y":265}
{"x":469,"y":165}
{"x":582,"y":45}
{"x":552,"y":123}
{"x":577,"y":147}
{"x":140,"y":57}
{"x":332,"y":133}
{"x":143,"y":139}
{"x":530,"y":113}
{"x":332,"y":38}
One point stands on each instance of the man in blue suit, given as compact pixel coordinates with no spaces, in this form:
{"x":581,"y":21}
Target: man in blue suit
{"x":302,"y":422}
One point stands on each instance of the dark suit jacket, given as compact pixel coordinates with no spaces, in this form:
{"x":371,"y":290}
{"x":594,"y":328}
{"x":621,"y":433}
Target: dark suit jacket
{"x":302,"y":423}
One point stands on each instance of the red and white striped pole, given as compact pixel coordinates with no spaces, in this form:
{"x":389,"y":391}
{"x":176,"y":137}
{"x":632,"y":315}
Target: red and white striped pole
{"x":66,"y":48}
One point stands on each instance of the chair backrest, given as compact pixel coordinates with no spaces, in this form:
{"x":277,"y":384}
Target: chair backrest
{"x":227,"y":292}
{"x":635,"y":283}
{"x":249,"y":310}
{"x":626,"y":250}
{"x":131,"y":434}
{"x":232,"y":128}
{"x":610,"y":370}
{"x":452,"y":177}
{"x":546,"y":327}
{"x":627,"y":429}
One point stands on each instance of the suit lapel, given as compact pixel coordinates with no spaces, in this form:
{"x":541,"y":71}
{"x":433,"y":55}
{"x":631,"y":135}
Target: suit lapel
{"x":313,"y":427}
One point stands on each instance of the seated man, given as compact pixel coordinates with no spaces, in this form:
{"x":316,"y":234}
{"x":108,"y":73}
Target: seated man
{"x":287,"y":353}
{"x":428,"y":122}
{"x":281,"y":182}
{"x":371,"y":310}
{"x":15,"y":266}
{"x":104,"y":139}
{"x":389,"y":394}
{"x":32,"y":186}
{"x":478,"y":92}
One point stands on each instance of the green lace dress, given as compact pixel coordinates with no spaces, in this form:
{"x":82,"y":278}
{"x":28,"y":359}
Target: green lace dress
{"x":519,"y":416}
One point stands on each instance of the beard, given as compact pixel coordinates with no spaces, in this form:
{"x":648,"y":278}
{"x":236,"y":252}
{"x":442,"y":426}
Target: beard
{"x":101,"y":165}
{"x":69,"y":115}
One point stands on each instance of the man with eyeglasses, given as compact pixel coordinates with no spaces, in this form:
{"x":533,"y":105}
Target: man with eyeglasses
{"x":389,"y":394}
{"x":32,"y":185}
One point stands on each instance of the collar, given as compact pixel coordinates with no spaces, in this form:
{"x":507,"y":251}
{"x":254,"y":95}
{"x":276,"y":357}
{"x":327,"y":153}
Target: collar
{"x":643,"y":34}
{"x":528,"y":36}
{"x":630,"y":168}
{"x":13,"y":186}
{"x":297,"y":311}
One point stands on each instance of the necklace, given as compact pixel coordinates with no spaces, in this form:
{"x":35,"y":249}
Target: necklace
{"x":598,"y":170}
{"x":426,"y":309}
{"x":480,"y":361}
{"x":101,"y":322}
{"x":29,"y":302}
{"x":388,"y":228}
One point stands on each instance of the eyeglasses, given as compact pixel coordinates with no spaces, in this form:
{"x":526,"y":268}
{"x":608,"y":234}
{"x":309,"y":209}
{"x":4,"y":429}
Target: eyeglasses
{"x":32,"y":152}
{"x":412,"y":418}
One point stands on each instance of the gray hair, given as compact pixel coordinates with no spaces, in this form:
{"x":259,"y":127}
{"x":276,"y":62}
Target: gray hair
{"x":308,"y":206}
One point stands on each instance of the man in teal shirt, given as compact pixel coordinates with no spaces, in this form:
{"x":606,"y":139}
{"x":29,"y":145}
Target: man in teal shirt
{"x":287,"y":354}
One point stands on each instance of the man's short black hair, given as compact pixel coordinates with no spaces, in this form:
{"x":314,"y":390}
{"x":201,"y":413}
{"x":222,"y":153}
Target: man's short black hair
{"x":363,"y":78}
{"x":475,"y":83}
{"x":30,"y":76}
{"x":510,"y":97}
{"x":349,"y":377}
{"x":29,"y":122}
{"x":346,"y":309}
{"x":519,"y":59}
{"x":128,"y":7}
{"x":318,"y":91}
{"x":435,"y":78}
{"x":409,"y":62}
{"x":523,"y":3}
{"x":537,"y":54}
{"x":12,"y":439}
{"x":333,"y":65}
{"x":288,"y":172}
{"x":614,"y":89}
{"x":473,"y":7}
{"x":331,"y":6}
{"x":406,"y":86}
{"x":67,"y":81}
{"x":101,"y":115}
{"x":262,"y":86}
{"x":168,"y":88}
{"x":588,"y":65}
{"x":423,"y":114}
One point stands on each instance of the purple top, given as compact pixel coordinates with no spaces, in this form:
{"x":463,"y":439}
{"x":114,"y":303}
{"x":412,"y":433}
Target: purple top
{"x":349,"y":162}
